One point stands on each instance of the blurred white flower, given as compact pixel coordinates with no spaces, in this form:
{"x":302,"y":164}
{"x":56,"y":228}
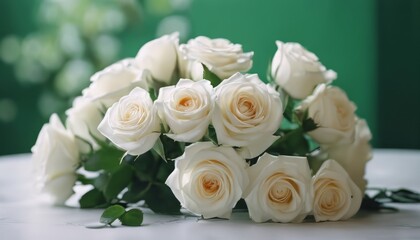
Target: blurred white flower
{"x":55,"y":158}
{"x":115,"y":81}
{"x":354,"y":156}
{"x":333,"y":113}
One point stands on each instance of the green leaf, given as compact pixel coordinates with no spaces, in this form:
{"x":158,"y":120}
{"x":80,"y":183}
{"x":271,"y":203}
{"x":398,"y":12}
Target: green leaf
{"x":118,"y":181}
{"x":142,"y":165}
{"x":211,"y":135}
{"x":405,"y":196}
{"x":292,"y":143}
{"x":91,"y":199}
{"x":107,"y":159}
{"x":133,"y":217}
{"x":164,"y":171}
{"x":372,"y":204}
{"x":173,"y":149}
{"x":161,"y":200}
{"x":309,"y":125}
{"x":159,"y":149}
{"x":289,"y":109}
{"x":84,"y":180}
{"x":241,"y":204}
{"x":153,"y":94}
{"x":213,"y":78}
{"x":136,"y":191}
{"x":111,"y":214}
{"x":101,"y":181}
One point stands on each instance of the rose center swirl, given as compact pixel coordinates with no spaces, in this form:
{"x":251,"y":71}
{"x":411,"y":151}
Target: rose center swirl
{"x":186,"y":103}
{"x":131,"y":113}
{"x":280,"y":190}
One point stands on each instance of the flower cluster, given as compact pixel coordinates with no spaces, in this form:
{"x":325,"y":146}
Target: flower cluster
{"x":185,"y":125}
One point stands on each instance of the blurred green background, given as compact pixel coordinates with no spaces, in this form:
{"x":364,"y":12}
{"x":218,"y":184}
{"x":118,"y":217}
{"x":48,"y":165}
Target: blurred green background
{"x":49,"y":48}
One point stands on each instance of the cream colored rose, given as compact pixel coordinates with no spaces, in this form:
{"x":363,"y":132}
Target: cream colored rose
{"x":160,"y":57}
{"x":247,"y":114}
{"x":115,"y":81}
{"x":55,"y":158}
{"x":132,"y":123}
{"x":336,"y":195}
{"x":220,"y":56}
{"x":354,"y":156}
{"x":83,"y":119}
{"x":279,"y":190}
{"x":333,"y":112}
{"x":208,"y":180}
{"x":297,"y":70}
{"x":187,"y":109}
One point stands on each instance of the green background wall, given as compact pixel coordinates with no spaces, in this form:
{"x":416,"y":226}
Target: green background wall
{"x":341,"y":33}
{"x":350,"y":37}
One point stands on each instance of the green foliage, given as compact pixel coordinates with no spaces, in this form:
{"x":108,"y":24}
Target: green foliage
{"x":131,"y":179}
{"x":309,"y":125}
{"x":289,"y":109}
{"x":211,"y":135}
{"x":117,"y":182}
{"x":107,"y":159}
{"x":397,"y":196}
{"x":136,"y":191}
{"x":91,"y":199}
{"x":132,"y":217}
{"x":173,"y":149}
{"x":292,"y":142}
{"x":213,"y":78}
{"x":101,"y":181}
{"x":159,"y":149}
{"x":161,"y":199}
{"x":383,"y":196}
{"x":111,"y":214}
{"x":153,"y":93}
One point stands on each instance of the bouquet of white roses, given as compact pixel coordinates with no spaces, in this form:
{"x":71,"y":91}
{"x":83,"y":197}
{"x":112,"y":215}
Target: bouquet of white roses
{"x":185,"y":125}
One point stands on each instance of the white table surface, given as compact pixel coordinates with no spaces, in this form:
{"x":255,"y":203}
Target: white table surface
{"x":23,"y":216}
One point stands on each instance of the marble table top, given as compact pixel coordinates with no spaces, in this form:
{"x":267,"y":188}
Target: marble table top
{"x":23,"y":216}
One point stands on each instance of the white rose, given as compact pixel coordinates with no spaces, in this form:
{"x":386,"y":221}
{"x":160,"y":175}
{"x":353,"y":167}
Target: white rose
{"x":354,"y":156}
{"x":115,"y":81}
{"x":208,"y":180}
{"x":280,"y":189}
{"x":247,"y":114}
{"x":55,"y":158}
{"x":333,"y":113}
{"x":336,"y":195}
{"x":297,"y":70}
{"x":221,"y":57}
{"x":160,"y":57}
{"x":187,"y":109}
{"x":186,"y":66}
{"x":132,"y":123}
{"x":82,"y":120}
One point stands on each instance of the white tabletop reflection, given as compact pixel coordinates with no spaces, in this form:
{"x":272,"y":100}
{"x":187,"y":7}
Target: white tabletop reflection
{"x":23,"y":216}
